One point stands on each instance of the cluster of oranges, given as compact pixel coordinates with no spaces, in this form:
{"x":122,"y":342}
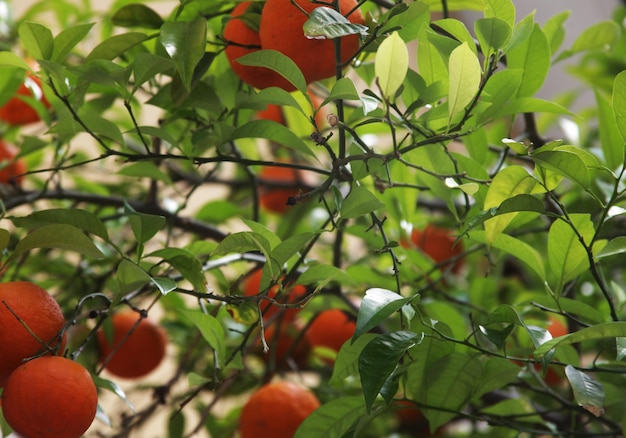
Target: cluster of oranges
{"x":45,"y":394}
{"x":277,"y":25}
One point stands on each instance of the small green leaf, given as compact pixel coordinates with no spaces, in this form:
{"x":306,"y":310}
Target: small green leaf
{"x":326,"y":23}
{"x":379,"y":359}
{"x":60,"y":236}
{"x":82,"y":219}
{"x":273,"y":131}
{"x":501,"y":9}
{"x":145,"y":169}
{"x":137,"y":15}
{"x":5,"y":238}
{"x":360,"y":202}
{"x":533,"y":56}
{"x":187,"y":264}
{"x":465,"y":76}
{"x":344,"y":89}
{"x":185,"y":42}
{"x":589,"y":393}
{"x":145,"y":226}
{"x":598,"y":36}
{"x":322,"y":274}
{"x":391,"y":64}
{"x":619,"y":104}
{"x":131,"y":276}
{"x":146,"y":66}
{"x":492,"y":33}
{"x":212,"y":331}
{"x":377,"y":305}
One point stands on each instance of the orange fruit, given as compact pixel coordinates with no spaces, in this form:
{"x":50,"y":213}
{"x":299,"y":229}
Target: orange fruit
{"x":281,"y":30}
{"x":438,"y":244}
{"x":275,"y":199}
{"x":283,"y":352}
{"x":11,"y":170}
{"x":276,"y":410}
{"x":242,"y":37}
{"x":50,"y":397}
{"x":136,"y":348}
{"x":38,"y":311}
{"x":411,"y":419}
{"x":292,"y":294}
{"x":556,"y":327}
{"x":330,"y":329}
{"x":18,"y":112}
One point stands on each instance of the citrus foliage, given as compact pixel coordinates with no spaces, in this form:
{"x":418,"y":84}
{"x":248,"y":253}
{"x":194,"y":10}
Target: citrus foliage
{"x":146,"y":182}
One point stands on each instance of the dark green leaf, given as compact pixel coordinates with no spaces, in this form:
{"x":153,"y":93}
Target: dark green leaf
{"x":278,"y":62}
{"x":347,"y":360}
{"x":145,"y":226}
{"x":185,"y":42}
{"x":588,"y":392}
{"x":131,"y":276}
{"x":599,"y":331}
{"x":377,"y":305}
{"x":67,"y":39}
{"x":116,"y":45}
{"x":146,"y":66}
{"x":380,"y":358}
{"x":82,"y":219}
{"x":360,"y":201}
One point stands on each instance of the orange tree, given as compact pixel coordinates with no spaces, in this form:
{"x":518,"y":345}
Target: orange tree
{"x":142,"y":193}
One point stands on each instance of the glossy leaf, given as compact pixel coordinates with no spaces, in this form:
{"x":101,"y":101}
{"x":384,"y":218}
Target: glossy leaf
{"x":130,"y":276}
{"x":598,"y":331}
{"x":391,"y":64}
{"x":588,"y":392}
{"x":377,"y":305}
{"x":379,"y":359}
{"x":326,"y":23}
{"x":565,"y":163}
{"x":185,"y":43}
{"x":278,"y":62}
{"x":492,"y":33}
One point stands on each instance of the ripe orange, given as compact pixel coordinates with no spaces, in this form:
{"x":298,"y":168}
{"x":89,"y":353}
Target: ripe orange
{"x":16,"y":111}
{"x":438,"y":244}
{"x":281,"y":30}
{"x":132,"y":355}
{"x":276,"y":410}
{"x":241,"y":38}
{"x":11,"y":170}
{"x":291,"y":295}
{"x":556,"y":327}
{"x":38,"y":311}
{"x":50,"y":397}
{"x":330,"y":329}
{"x":275,"y":199}
{"x":283,"y":352}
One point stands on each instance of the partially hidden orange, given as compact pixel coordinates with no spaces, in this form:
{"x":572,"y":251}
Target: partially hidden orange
{"x":281,"y":30}
{"x":276,"y":410}
{"x":136,"y":348}
{"x":50,"y":397}
{"x":330,"y":329}
{"x":11,"y":169}
{"x":31,"y":322}
{"x":439,"y":244}
{"x":241,"y":36}
{"x":16,"y":111}
{"x":278,"y":186}
{"x":290,"y":294}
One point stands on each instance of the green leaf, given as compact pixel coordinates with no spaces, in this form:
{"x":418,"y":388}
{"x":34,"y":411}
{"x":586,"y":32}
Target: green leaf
{"x":332,"y":419}
{"x":212,"y":331}
{"x":82,"y":219}
{"x":598,"y":331}
{"x":145,"y":226}
{"x":322,"y":274}
{"x":326,"y":23}
{"x":276,"y":61}
{"x":102,"y":126}
{"x":60,"y":236}
{"x":555,"y":30}
{"x":492,"y":33}
{"x":67,"y":39}
{"x":146,"y":66}
{"x":377,"y":305}
{"x":501,"y":9}
{"x":185,"y":42}
{"x":589,"y":393}
{"x":465,"y":75}
{"x":451,"y":383}
{"x":508,"y":183}
{"x":343,"y":89}
{"x":615,"y":246}
{"x":567,"y":257}
{"x":379,"y":359}
{"x":347,"y":360}
{"x":619,"y":104}
{"x":116,"y":45}
{"x":145,"y":169}
{"x":37,"y":39}
{"x":290,"y":247}
{"x":272,"y":131}
{"x":187,"y":264}
{"x":612,"y":138}
{"x":564,"y":163}
{"x":245,"y":241}
{"x":5,"y":238}
{"x":430,"y":63}
{"x":137,"y":15}
{"x":391,"y":64}
{"x":597,"y":37}
{"x":131,"y":276}
{"x":533,"y":56}
{"x":517,"y":203}
{"x":359,"y":202}
{"x":497,"y":374}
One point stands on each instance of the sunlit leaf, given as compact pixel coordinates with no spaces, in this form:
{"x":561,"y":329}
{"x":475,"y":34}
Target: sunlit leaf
{"x":391,"y":64}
